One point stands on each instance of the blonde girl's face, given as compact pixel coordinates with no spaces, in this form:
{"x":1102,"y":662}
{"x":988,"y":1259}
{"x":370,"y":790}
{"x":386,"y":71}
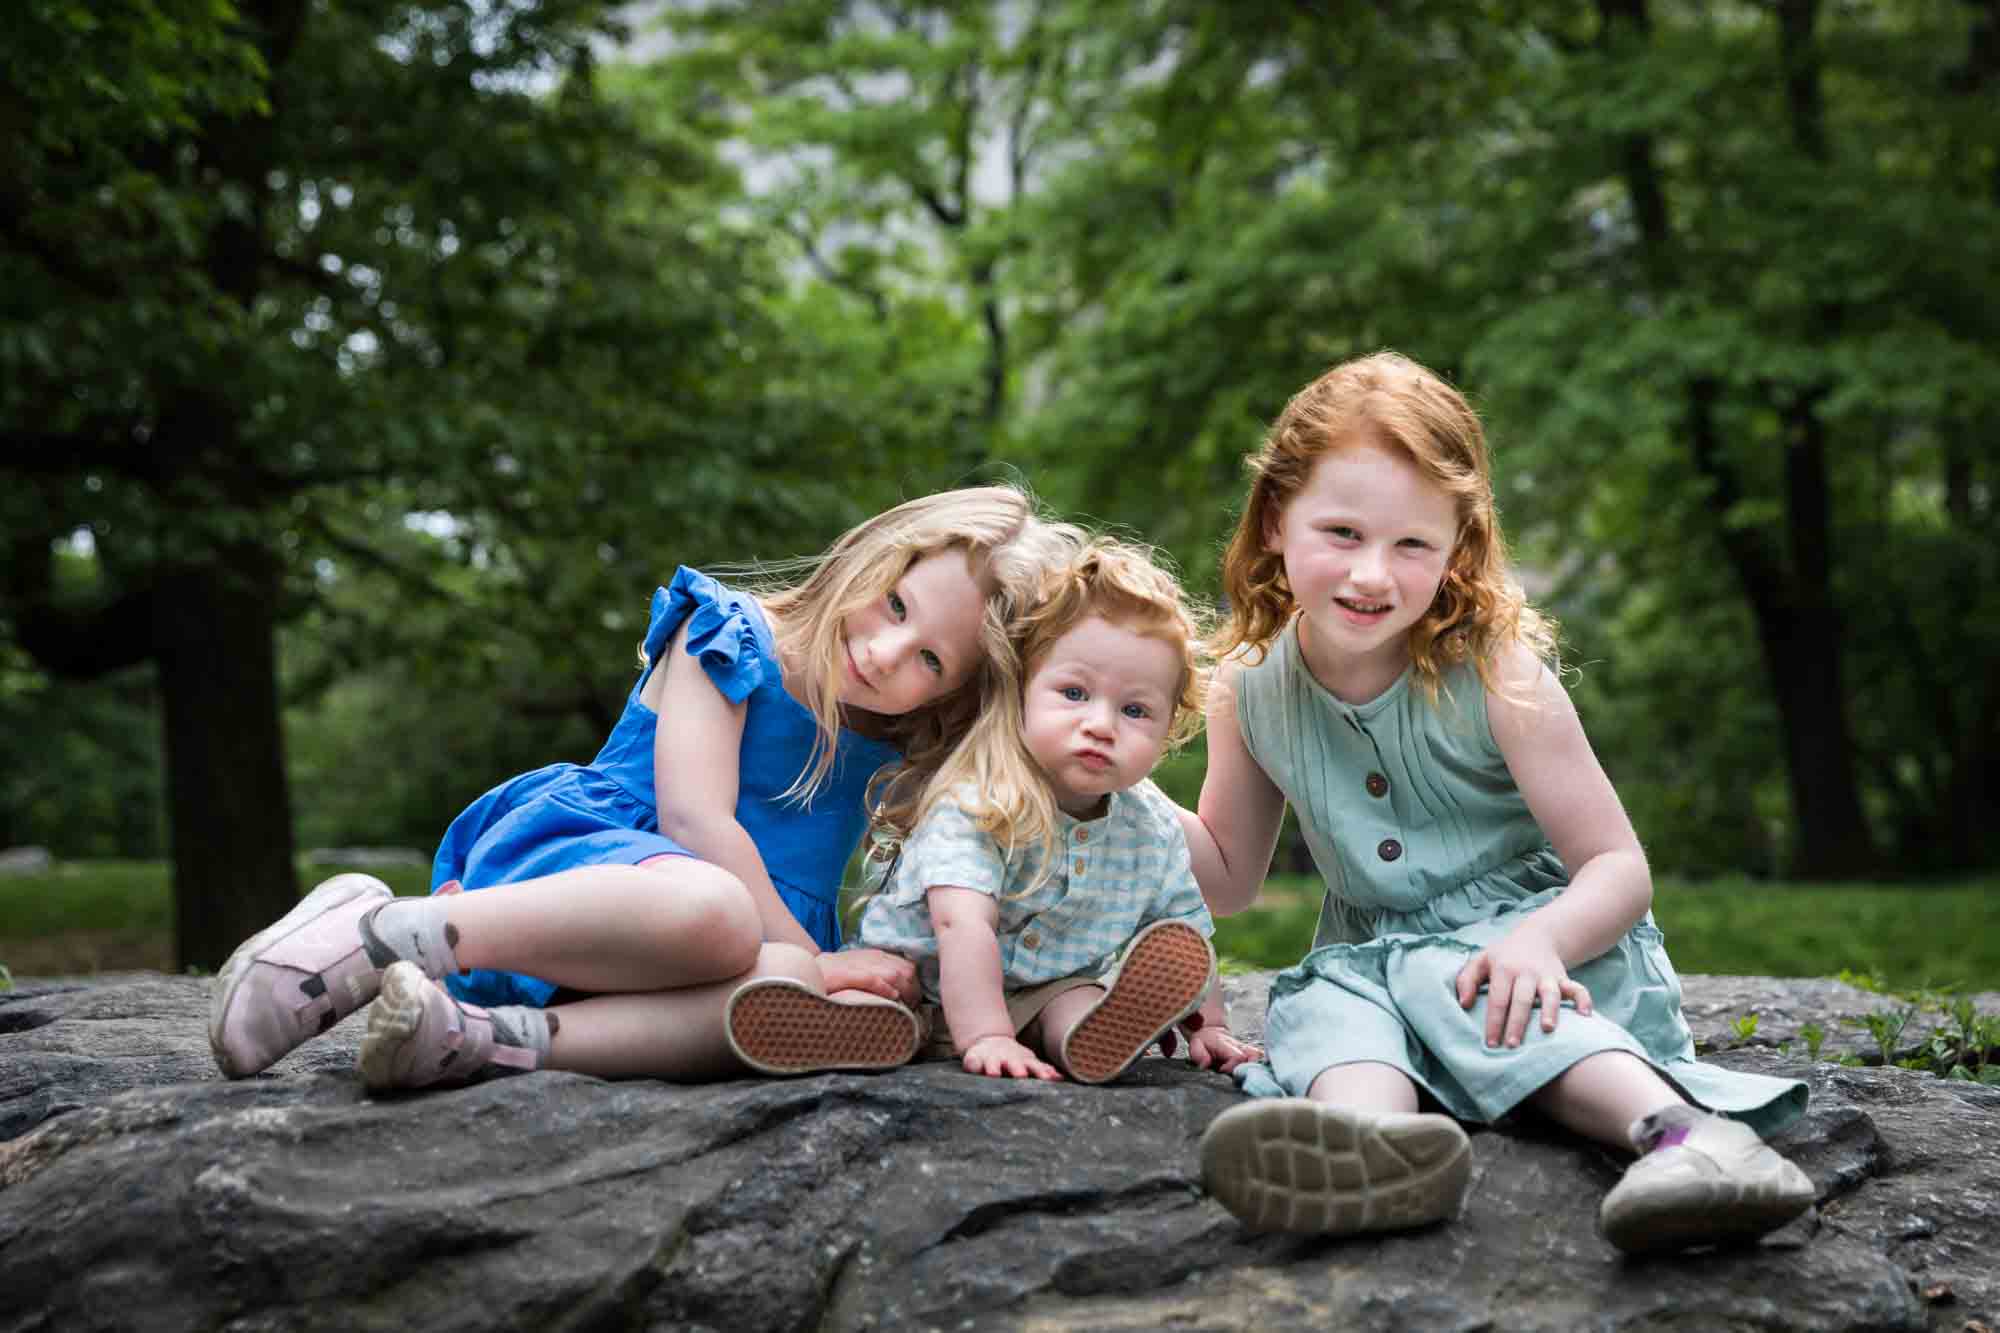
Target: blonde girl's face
{"x":1097,"y":711}
{"x":916,"y":642}
{"x":1365,"y":543}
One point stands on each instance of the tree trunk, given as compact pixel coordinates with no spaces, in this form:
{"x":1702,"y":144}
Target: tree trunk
{"x":229,"y":815}
{"x":1802,"y":661}
{"x":1799,"y":629}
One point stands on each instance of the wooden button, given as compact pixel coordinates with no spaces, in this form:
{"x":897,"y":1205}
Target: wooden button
{"x":1083,"y":835}
{"x":1079,"y":865}
{"x":1032,"y":939}
{"x":1389,"y":849}
{"x":1378,"y":786}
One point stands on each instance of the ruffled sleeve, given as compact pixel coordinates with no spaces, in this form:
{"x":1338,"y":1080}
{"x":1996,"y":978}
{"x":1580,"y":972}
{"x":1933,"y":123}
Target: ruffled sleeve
{"x":720,"y":634}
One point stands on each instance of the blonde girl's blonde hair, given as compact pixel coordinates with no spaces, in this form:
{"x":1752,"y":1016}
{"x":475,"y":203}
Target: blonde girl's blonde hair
{"x":991,"y":772}
{"x":1391,"y":401}
{"x":1007,"y":547}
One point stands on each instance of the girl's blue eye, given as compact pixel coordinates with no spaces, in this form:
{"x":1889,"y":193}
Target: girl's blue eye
{"x":896,"y":607}
{"x":934,"y":662}
{"x":1073,"y":693}
{"x":1342,"y":532}
{"x":1136,"y":711}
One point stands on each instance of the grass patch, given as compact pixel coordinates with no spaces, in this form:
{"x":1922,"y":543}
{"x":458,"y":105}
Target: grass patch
{"x":107,"y":916}
{"x":1906,"y":937}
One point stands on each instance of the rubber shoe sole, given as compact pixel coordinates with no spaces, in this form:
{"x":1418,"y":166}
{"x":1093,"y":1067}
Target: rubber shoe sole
{"x":780,"y":1026}
{"x":324,"y":898}
{"x":1298,"y":1166}
{"x":1166,"y":972}
{"x":393,"y":1021}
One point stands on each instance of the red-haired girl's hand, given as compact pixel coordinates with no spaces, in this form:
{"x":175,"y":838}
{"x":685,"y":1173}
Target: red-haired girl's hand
{"x":1520,"y":970}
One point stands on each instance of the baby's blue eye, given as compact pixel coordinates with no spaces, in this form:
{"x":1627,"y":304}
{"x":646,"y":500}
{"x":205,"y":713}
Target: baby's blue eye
{"x":1073,"y":693}
{"x":934,"y":662}
{"x":1137,"y":710}
{"x":896,"y":607}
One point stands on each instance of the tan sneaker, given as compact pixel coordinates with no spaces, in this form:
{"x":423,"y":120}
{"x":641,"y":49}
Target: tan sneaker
{"x":1164,"y":975}
{"x":780,"y":1026}
{"x":1291,"y":1164}
{"x":1700,"y":1179}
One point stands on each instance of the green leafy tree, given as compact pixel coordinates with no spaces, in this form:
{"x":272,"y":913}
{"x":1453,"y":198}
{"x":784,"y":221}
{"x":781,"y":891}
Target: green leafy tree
{"x":1722,"y":277}
{"x":304,"y":303}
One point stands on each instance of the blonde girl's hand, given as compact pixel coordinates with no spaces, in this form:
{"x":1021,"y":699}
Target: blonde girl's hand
{"x":1004,"y":1057}
{"x":1213,"y":1046}
{"x":1520,"y":971}
{"x":891,"y":976}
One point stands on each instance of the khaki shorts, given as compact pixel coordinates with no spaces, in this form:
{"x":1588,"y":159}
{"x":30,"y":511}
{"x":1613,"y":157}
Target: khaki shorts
{"x":1023,"y":1008}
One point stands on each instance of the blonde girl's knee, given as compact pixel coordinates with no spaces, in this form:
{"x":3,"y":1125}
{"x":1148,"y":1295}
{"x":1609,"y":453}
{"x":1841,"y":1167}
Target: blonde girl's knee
{"x":708,"y":903}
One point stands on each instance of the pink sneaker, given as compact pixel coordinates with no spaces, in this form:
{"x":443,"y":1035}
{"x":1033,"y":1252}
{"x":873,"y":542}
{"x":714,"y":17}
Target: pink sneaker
{"x":419,"y":1036}
{"x":780,"y":1026}
{"x":295,"y":979}
{"x":1165,"y":974}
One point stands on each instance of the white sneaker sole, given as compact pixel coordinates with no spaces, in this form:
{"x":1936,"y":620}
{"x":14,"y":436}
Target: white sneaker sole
{"x":1295,"y":1165}
{"x":392,"y":1020}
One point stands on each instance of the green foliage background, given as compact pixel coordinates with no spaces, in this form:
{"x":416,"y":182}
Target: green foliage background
{"x":525,"y":318}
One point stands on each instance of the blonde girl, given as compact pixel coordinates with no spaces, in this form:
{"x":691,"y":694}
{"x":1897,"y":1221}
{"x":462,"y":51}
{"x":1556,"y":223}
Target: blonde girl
{"x":1486,"y":945}
{"x":1043,"y":884}
{"x":596,"y":917}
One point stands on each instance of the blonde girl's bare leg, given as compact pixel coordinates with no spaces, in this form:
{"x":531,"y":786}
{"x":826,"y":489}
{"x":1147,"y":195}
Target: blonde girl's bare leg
{"x":1353,"y":1156}
{"x":419,"y":1036}
{"x":677,"y":1034}
{"x":670,"y":923}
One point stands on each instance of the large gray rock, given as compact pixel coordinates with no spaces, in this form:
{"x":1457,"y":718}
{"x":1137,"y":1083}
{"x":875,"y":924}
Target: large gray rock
{"x":140,"y":1190}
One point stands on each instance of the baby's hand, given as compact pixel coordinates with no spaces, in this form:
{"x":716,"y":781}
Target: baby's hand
{"x":1213,"y":1046}
{"x":1004,"y":1057}
{"x":888,"y":975}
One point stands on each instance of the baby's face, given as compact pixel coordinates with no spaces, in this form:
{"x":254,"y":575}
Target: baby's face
{"x":1097,"y":710}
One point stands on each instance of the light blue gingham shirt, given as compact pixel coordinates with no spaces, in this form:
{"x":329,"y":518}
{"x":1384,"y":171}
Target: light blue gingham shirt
{"x":1120,"y":873}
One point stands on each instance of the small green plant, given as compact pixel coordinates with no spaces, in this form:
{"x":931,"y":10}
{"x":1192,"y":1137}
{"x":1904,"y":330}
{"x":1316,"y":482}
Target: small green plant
{"x":1886,"y":1027}
{"x":6,"y":978}
{"x":1745,"y":1027}
{"x":1868,"y":981}
{"x":1814,"y":1036}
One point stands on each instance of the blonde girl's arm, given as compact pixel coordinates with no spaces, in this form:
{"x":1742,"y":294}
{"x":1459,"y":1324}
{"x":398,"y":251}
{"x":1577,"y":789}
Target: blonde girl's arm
{"x":970,"y":987}
{"x":1540,"y":736}
{"x":695,"y":782}
{"x":1241,"y":809}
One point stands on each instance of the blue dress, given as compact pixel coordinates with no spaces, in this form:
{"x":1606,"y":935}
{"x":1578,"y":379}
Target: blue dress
{"x":603,"y":812}
{"x":1429,"y":854}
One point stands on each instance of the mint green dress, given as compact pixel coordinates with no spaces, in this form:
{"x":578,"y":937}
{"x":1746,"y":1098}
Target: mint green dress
{"x":1429,"y":854}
